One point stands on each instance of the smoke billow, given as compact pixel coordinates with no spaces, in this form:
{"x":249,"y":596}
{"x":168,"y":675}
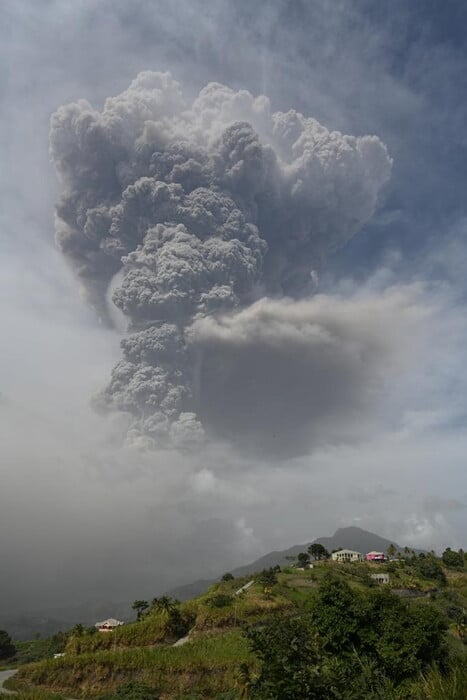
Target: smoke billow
{"x":203,"y":209}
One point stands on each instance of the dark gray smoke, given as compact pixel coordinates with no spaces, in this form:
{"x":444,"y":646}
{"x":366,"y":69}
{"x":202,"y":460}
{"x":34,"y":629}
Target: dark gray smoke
{"x":203,"y":209}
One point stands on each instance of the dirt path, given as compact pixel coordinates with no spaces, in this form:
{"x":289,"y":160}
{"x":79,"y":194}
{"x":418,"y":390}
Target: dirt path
{"x":3,"y":677}
{"x":8,"y":674}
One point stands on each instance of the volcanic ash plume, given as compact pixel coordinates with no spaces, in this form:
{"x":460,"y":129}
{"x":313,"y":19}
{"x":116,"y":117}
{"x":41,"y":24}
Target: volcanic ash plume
{"x":196,"y":211}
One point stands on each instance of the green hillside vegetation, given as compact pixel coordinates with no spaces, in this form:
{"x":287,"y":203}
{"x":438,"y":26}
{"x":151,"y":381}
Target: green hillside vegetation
{"x":325,"y":632}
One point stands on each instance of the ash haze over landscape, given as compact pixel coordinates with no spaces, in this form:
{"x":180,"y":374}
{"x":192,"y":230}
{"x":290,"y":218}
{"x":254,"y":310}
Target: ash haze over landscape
{"x":232,"y":269}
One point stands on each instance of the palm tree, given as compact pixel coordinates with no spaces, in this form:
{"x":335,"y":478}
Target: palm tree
{"x":164,"y":605}
{"x":140,"y":606}
{"x":244,"y":681}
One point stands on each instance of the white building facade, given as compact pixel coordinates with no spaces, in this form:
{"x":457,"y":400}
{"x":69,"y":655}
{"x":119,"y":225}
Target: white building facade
{"x":108,"y":625}
{"x":346,"y":555}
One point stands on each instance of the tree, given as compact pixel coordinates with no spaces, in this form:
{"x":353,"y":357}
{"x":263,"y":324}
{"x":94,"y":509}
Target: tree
{"x":164,"y":605}
{"x":169,"y":608}
{"x":352,"y":644}
{"x":318,"y":551}
{"x":452,"y":559}
{"x":267,"y":577}
{"x":7,"y":648}
{"x":392,"y":550}
{"x":402,"y":640}
{"x":140,"y":606}
{"x":227,"y":577}
{"x":337,"y":614}
{"x":429,"y":567}
{"x":303,"y":559}
{"x":289,"y":660}
{"x":220,"y":600}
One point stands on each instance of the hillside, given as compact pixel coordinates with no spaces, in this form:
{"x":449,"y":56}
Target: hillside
{"x":210,"y":661}
{"x":52,"y":620}
{"x":345,"y":538}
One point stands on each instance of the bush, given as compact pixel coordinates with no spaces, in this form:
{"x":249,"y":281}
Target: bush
{"x":220,"y":600}
{"x":267,"y":577}
{"x":227,"y":577}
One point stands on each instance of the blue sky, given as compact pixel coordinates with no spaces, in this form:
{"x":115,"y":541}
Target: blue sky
{"x":396,"y":69}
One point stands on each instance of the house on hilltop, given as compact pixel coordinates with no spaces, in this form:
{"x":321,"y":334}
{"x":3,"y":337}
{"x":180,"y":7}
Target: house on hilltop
{"x":346,"y":555}
{"x":108,"y":625}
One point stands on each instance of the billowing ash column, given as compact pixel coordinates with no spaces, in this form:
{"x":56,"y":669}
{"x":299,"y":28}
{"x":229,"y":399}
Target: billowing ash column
{"x":202,"y":209}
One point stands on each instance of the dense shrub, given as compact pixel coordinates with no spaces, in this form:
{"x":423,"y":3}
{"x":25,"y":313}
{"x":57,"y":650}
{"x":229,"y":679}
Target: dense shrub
{"x":268,"y":577}
{"x":220,"y":600}
{"x":348,"y":641}
{"x":452,"y":559}
{"x":227,"y":577}
{"x":429,"y":567}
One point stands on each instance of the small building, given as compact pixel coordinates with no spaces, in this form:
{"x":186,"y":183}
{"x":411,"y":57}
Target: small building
{"x":346,"y":555}
{"x":383,"y":579}
{"x":108,"y":625}
{"x":376,"y":557}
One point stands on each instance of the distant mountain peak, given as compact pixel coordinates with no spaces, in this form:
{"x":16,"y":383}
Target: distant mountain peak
{"x":352,"y":528}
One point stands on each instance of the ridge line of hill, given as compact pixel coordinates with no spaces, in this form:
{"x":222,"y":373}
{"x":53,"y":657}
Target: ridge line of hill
{"x":346,"y":538}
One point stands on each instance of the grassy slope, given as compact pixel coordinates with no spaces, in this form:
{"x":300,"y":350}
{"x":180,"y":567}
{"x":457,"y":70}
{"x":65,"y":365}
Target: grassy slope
{"x":209,"y":663}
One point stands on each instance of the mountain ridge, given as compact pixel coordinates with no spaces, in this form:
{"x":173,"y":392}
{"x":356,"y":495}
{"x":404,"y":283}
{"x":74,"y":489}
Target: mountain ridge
{"x":351,"y":537}
{"x":51,"y":620}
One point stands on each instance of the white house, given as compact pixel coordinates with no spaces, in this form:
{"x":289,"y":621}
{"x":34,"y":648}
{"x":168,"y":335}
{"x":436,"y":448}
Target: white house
{"x":346,"y":555}
{"x":380,"y":578}
{"x":108,"y":625}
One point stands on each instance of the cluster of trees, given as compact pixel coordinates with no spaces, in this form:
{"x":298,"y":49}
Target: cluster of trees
{"x":167,"y":607}
{"x":350,"y":644}
{"x":453,"y":559}
{"x":427,"y":566}
{"x":164,"y":605}
{"x":315,"y":551}
{"x":7,"y":648}
{"x":268,"y":577}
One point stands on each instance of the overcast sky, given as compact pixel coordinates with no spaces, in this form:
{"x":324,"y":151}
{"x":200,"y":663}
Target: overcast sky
{"x":339,"y":401}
